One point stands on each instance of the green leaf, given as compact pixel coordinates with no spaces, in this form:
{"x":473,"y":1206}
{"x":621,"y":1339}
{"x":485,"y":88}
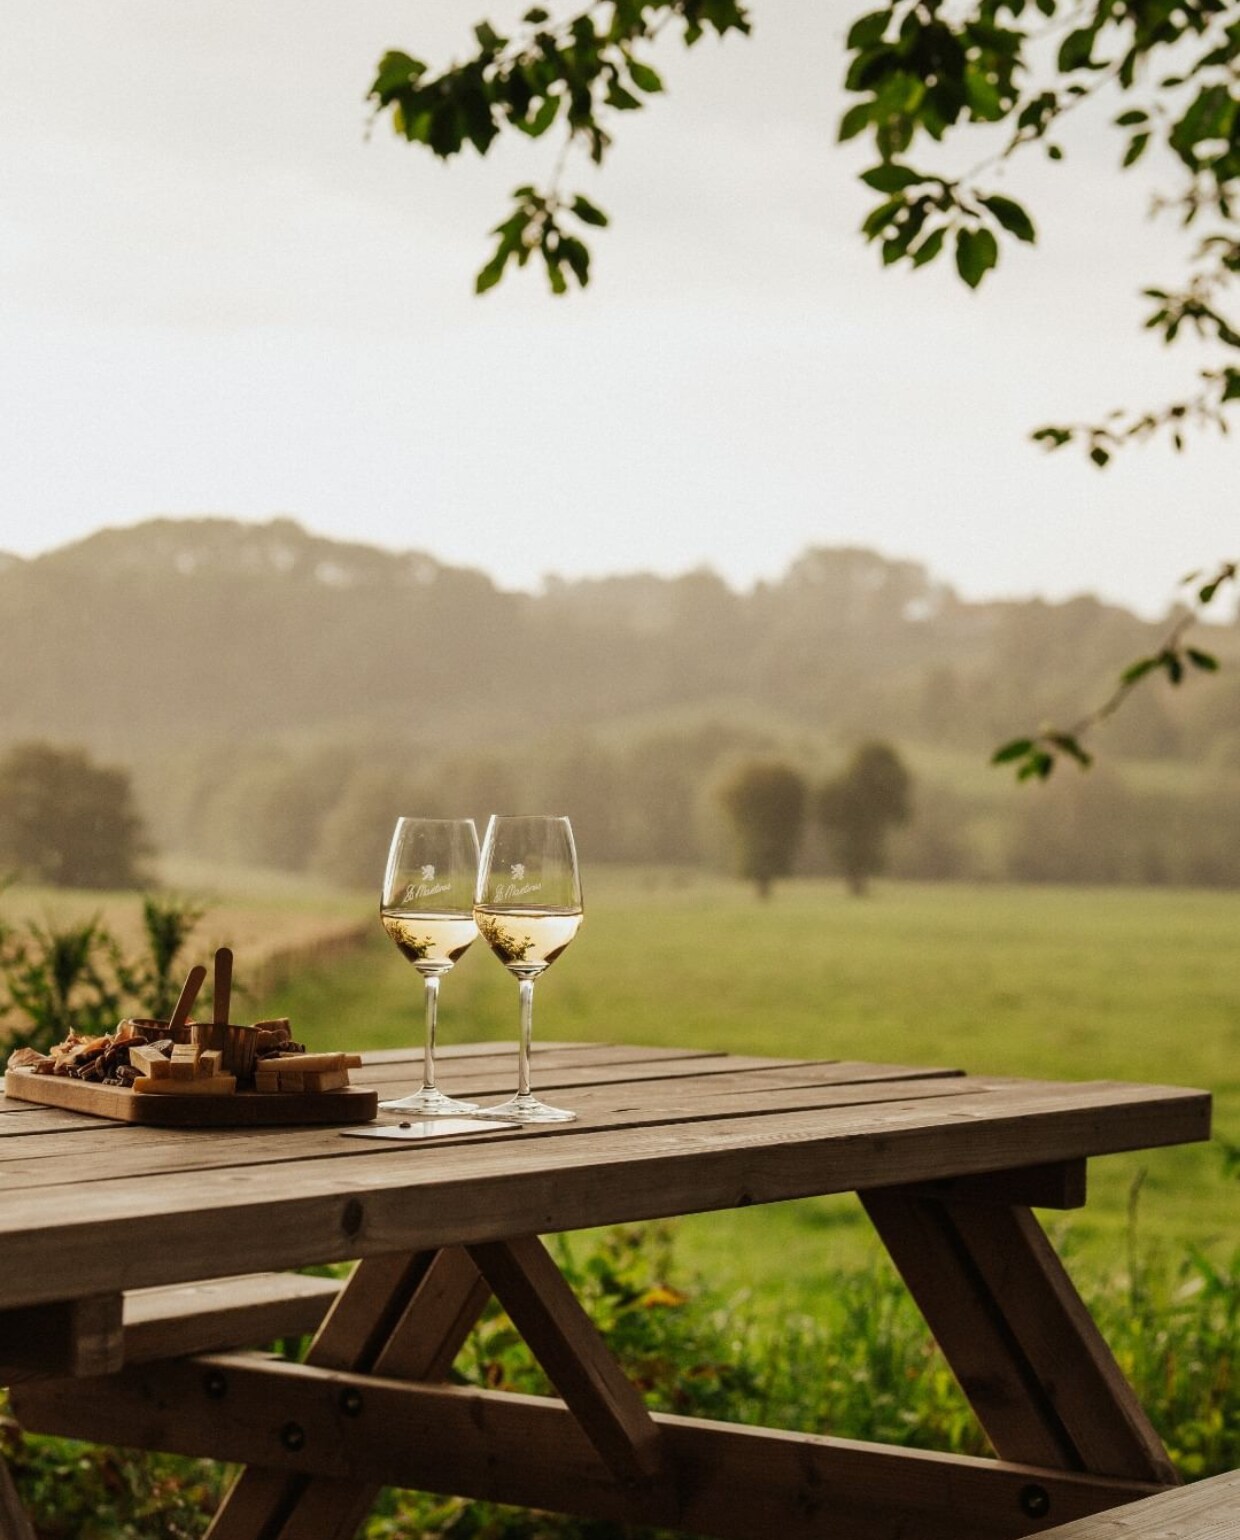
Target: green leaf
{"x":1016,"y":749}
{"x":879,"y":218}
{"x":1070,"y":745}
{"x":587,"y":213}
{"x":1011,"y":216}
{"x":577,"y":255}
{"x":1203,"y":660}
{"x":890,"y":178}
{"x":855,"y":120}
{"x":1131,"y":119}
{"x":1100,"y":456}
{"x":489,"y":39}
{"x":930,"y":247}
{"x":491,"y":273}
{"x":977,"y":251}
{"x":867,"y":30}
{"x":1075,"y":50}
{"x":542,"y":119}
{"x":396,"y":69}
{"x":1053,"y":438}
{"x":644,"y":78}
{"x":1138,"y":670}
{"x":1136,"y":148}
{"x":621,"y":100}
{"x":1171,"y":662}
{"x":536,"y":17}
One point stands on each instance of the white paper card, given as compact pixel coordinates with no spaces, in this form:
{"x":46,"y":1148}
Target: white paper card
{"x":429,"y":1128}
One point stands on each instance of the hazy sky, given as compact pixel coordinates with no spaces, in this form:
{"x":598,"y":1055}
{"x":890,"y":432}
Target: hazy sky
{"x":217,"y":295}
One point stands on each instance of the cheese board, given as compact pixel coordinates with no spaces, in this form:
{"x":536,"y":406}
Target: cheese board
{"x":242,"y":1109}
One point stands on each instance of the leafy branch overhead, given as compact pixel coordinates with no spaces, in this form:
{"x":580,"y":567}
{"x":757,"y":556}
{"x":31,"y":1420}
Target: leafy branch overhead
{"x":1035,"y":756}
{"x":917,"y":72}
{"x":576,"y":73}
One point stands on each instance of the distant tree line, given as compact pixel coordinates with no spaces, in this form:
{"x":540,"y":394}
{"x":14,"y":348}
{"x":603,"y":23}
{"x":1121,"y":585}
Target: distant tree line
{"x":659,"y":799}
{"x":653,"y":798}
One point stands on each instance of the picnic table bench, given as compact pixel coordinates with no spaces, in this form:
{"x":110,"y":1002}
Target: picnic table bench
{"x":946,"y":1165}
{"x":1207,"y":1510}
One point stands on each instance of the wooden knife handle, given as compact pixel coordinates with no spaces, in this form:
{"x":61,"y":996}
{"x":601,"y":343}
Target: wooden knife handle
{"x":223,"y":984}
{"x":189,"y":993}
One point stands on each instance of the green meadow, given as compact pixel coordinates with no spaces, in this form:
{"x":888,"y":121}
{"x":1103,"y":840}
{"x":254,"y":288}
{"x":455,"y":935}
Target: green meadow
{"x":1060,"y":983}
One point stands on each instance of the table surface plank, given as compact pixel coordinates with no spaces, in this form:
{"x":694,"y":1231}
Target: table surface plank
{"x":87,"y":1206}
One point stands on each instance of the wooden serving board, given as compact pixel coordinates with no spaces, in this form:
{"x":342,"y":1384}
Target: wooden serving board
{"x":243,"y":1109}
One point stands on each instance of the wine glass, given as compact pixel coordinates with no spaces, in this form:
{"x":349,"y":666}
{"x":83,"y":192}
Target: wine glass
{"x":426,"y":908}
{"x":528,"y":908}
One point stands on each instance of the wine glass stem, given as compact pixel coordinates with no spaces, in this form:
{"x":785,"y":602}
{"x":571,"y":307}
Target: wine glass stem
{"x":432,"y":1016}
{"x":526,"y":987}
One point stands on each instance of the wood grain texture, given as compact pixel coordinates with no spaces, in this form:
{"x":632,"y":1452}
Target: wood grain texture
{"x":734,"y":1482}
{"x":1206,"y":1510}
{"x":1018,"y":1338}
{"x":31,"y":1163}
{"x":426,"y":1307}
{"x":1052,"y":1328}
{"x":578,"y":1363}
{"x":248,"y":1311}
{"x":72,"y":1336}
{"x":171,"y":1228}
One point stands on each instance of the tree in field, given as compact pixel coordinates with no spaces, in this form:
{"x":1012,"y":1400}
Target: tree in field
{"x":67,"y":821}
{"x":919,"y":74}
{"x":764,"y":801}
{"x":860,"y":807}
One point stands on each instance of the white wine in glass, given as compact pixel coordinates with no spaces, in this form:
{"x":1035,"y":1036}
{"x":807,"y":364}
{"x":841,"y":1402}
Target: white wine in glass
{"x":528,"y":908}
{"x":426,"y":908}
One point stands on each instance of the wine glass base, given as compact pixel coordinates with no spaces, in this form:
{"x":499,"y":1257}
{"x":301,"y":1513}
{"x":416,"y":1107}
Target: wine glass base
{"x":430,"y":1102}
{"x":527,"y":1109}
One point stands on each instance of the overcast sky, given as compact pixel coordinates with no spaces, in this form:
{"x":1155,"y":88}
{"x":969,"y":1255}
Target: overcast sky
{"x":217,"y":295}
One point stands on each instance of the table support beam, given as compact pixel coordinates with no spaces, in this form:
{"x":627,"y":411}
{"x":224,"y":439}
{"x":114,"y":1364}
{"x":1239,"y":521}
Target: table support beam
{"x":732,"y":1482}
{"x":405,"y":1316}
{"x":577,"y":1361}
{"x":71,"y":1336}
{"x":1020,"y":1341}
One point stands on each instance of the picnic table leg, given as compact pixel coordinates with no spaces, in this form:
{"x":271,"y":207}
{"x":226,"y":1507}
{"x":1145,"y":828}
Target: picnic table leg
{"x":14,"y":1521}
{"x":404,"y":1317}
{"x":1027,"y":1354}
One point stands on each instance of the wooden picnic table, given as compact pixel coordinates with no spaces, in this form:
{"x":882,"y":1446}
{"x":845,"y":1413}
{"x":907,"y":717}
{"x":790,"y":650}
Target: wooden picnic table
{"x":947,"y":1166}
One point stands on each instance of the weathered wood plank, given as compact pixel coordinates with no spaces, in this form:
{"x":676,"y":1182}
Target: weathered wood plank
{"x":1021,"y":1343}
{"x":1061,"y":1185}
{"x":247,"y":1311}
{"x":563,"y":1339}
{"x":424,"y":1339}
{"x":1052,"y":1328}
{"x":1206,"y":1510}
{"x":32,"y":1163}
{"x":733,"y":1482}
{"x":968,"y":1324}
{"x":70,"y":1336}
{"x":165,"y":1229}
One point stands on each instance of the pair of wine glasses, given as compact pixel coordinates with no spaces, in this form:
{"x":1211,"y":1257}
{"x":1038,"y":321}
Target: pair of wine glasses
{"x":523,"y":894}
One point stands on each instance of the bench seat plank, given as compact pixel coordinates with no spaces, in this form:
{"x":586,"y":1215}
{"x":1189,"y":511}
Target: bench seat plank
{"x":1206,"y":1510}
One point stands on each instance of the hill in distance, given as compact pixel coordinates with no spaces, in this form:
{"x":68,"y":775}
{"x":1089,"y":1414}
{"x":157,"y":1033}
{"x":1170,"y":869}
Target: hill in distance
{"x":211,"y":629}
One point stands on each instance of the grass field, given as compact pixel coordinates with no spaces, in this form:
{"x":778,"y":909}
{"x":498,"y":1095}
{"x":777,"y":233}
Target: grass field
{"x":1070,"y":983}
